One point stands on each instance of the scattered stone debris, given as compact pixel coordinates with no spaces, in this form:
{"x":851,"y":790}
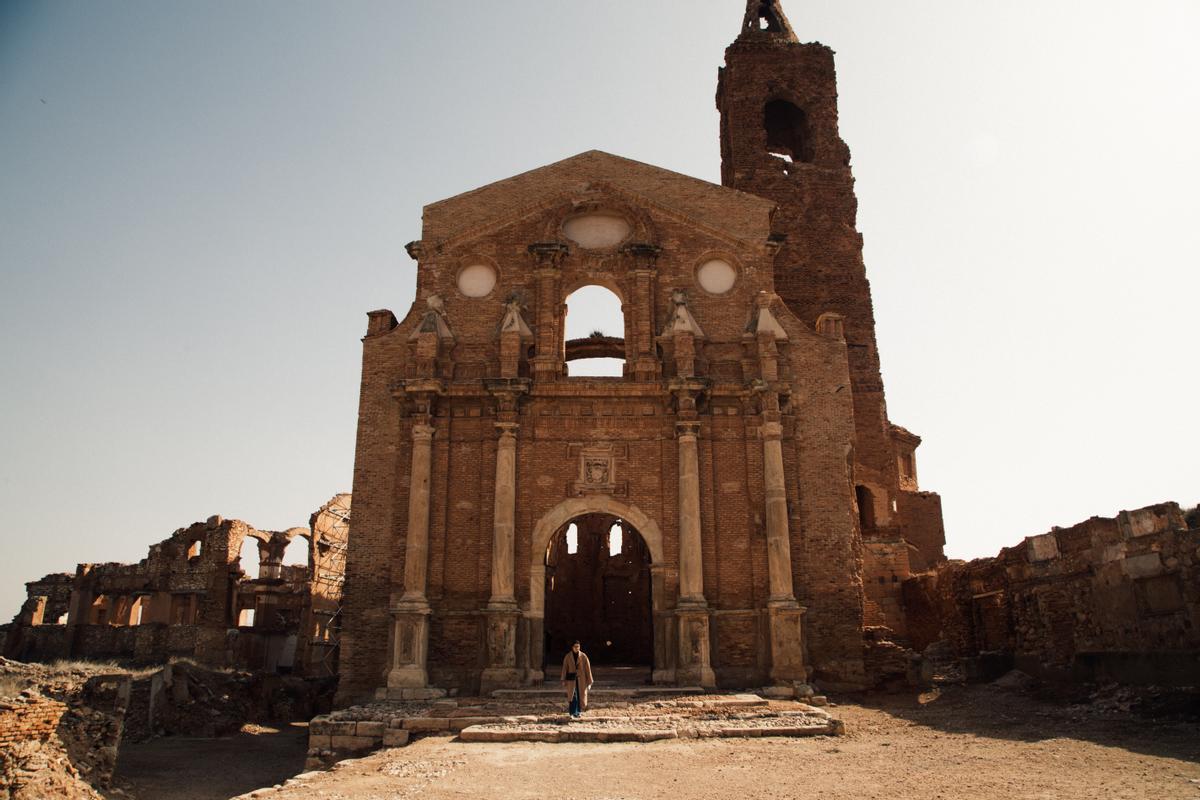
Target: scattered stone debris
{"x":61,"y":725}
{"x":59,"y":729}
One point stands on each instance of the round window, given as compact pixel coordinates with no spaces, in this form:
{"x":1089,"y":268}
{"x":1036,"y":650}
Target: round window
{"x":716,"y":276}
{"x":477,"y":280}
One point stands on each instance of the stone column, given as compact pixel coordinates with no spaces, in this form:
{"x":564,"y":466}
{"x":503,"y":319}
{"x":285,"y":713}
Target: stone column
{"x":410,"y":614}
{"x":416,"y":550}
{"x":504,"y":516}
{"x":695,"y":665}
{"x":502,"y":608}
{"x":784,"y":615}
{"x":548,"y":360}
{"x":691,"y":566}
{"x":641,"y":349}
{"x":779,"y":553}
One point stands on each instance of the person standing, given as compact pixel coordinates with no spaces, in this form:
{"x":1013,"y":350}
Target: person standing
{"x":576,"y":679}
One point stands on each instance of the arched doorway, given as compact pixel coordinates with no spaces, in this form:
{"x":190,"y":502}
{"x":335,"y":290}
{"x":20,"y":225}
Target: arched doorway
{"x":598,"y":590}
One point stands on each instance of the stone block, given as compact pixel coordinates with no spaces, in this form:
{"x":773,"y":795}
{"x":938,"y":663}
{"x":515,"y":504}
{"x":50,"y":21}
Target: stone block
{"x":778,"y":692}
{"x":458,"y":723}
{"x":320,"y":741}
{"x":395,"y":738}
{"x":374,"y":729}
{"x":319,"y":725}
{"x":342,"y":728}
{"x":427,"y":724}
{"x":353,"y":744}
{"x":1042,"y":548}
{"x":1143,"y":566}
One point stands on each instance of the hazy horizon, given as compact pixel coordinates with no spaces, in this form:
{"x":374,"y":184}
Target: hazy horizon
{"x":199,"y":203}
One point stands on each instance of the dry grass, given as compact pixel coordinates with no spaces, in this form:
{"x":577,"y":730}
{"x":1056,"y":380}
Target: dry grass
{"x":12,"y":685}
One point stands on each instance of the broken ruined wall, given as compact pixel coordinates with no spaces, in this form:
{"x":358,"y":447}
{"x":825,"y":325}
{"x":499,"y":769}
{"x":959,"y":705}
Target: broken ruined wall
{"x":886,"y":565}
{"x":1109,"y":598}
{"x":60,"y":729}
{"x":175,"y":602}
{"x":184,"y":600}
{"x":320,"y":624}
{"x":38,"y":633}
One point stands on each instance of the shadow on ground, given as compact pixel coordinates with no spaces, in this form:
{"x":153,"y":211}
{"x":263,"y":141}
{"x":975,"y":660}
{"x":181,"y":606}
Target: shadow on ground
{"x":1169,"y":727}
{"x":187,"y":768}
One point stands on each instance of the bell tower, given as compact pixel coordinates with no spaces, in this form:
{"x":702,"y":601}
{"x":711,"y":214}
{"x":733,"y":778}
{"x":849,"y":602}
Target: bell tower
{"x":779,"y":140}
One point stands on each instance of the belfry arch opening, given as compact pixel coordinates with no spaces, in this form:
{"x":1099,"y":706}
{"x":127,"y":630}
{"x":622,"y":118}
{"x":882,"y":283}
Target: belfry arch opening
{"x":594,"y":334}
{"x":598,"y":590}
{"x":789,"y":137}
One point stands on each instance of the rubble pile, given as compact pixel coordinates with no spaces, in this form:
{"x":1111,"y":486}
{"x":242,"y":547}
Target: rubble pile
{"x":59,"y":729}
{"x":185,"y":698}
{"x":888,"y":663}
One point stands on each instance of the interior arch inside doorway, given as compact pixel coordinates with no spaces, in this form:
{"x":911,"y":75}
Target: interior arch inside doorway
{"x":599,"y":591}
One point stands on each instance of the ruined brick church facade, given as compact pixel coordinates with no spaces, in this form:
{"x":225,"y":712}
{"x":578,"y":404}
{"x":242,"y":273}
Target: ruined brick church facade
{"x":743,"y":464}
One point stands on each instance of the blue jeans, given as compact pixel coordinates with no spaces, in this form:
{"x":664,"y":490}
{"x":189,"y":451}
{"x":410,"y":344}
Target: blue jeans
{"x":573,"y":706}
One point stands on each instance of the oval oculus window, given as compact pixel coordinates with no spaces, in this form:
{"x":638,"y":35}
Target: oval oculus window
{"x":477,"y":280}
{"x":594,"y":231}
{"x":716,"y":276}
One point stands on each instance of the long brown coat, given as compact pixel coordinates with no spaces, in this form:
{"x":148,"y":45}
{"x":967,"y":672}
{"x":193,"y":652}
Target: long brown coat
{"x":585,"y":676}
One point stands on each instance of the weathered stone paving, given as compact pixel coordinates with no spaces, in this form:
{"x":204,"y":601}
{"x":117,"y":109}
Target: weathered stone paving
{"x":631,"y":715}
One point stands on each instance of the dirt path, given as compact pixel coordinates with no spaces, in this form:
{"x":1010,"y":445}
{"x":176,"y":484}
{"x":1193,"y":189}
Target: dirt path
{"x":187,"y":768}
{"x":967,"y":743}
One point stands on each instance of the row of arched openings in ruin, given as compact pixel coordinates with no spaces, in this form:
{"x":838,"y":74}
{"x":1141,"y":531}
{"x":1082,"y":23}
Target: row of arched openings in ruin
{"x":121,"y":609}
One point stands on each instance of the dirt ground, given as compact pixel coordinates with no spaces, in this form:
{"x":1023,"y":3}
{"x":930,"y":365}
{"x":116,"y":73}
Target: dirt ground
{"x":190,"y":768}
{"x":966,"y":743}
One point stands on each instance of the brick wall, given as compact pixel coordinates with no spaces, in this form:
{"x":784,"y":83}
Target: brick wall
{"x":29,"y":717}
{"x":635,"y":419}
{"x":1116,"y":597}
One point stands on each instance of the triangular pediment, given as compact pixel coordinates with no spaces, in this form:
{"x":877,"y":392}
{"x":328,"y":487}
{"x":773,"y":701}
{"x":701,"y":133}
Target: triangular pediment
{"x":727,"y":213}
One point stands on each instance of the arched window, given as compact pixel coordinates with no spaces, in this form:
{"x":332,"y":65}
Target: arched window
{"x":616,"y":539}
{"x":296,"y":552}
{"x":788,"y":134}
{"x":595,"y":334}
{"x":249,"y":559}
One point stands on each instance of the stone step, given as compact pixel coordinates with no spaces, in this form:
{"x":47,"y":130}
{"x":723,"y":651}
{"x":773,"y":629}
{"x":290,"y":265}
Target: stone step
{"x":598,"y":692}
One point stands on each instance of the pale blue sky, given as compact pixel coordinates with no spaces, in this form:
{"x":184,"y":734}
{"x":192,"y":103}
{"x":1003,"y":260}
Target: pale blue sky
{"x":199,"y":201}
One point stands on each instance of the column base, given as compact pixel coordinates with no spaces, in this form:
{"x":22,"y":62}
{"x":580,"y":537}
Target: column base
{"x":408,"y":676}
{"x":410,"y":645}
{"x":501,"y":619}
{"x":785,"y":623}
{"x":695,"y":664}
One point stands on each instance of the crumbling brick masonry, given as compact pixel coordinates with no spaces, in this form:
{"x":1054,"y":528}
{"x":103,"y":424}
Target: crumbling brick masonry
{"x":192,"y":596}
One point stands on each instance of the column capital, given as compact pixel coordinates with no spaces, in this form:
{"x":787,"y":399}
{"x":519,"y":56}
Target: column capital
{"x":771,"y":430}
{"x":687,"y":429}
{"x":507,"y":430}
{"x":644,"y":256}
{"x":422,"y":432}
{"x":547,"y":255}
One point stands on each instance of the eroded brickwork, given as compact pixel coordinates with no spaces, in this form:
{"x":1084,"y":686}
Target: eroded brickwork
{"x":780,"y":140}
{"x":749,"y":413}
{"x":1110,"y":598}
{"x":192,"y":596}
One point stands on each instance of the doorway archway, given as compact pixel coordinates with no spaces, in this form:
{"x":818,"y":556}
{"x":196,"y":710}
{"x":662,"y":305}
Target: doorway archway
{"x":598,"y":590}
{"x":555,"y":521}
